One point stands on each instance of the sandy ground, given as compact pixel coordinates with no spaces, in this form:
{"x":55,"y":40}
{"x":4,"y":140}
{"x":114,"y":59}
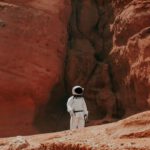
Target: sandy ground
{"x":132,"y":133}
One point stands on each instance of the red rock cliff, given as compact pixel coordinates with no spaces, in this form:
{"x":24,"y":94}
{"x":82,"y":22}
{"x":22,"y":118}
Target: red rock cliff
{"x":109,"y":55}
{"x":130,"y":56}
{"x":32,"y":52}
{"x":107,"y":52}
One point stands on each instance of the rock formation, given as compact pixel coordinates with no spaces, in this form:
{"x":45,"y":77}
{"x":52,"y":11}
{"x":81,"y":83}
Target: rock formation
{"x":90,"y":41}
{"x":33,"y":48}
{"x":130,"y":56}
{"x":46,"y":49}
{"x":132,"y":133}
{"x":109,"y":55}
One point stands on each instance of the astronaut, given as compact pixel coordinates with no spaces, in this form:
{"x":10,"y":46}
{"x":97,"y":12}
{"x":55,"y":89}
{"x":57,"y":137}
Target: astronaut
{"x":77,"y":108}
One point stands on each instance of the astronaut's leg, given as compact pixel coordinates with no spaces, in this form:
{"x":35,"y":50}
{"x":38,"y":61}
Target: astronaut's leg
{"x":81,"y":122}
{"x":73,"y":123}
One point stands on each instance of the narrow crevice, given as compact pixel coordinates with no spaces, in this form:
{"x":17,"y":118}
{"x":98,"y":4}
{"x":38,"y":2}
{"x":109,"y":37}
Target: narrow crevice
{"x":118,"y":110}
{"x":55,"y":111}
{"x":91,"y":74}
{"x":100,"y":39}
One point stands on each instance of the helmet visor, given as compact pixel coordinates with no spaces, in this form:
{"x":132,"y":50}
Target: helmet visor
{"x":79,"y":90}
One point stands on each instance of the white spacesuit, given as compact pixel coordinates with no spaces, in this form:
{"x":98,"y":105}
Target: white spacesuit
{"x":77,"y":108}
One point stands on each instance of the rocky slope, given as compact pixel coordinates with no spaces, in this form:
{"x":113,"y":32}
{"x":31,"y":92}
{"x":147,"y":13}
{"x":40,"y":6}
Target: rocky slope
{"x":132,"y":133}
{"x":49,"y":46}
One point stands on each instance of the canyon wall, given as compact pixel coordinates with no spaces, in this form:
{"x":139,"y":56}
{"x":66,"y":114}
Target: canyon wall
{"x":33,"y":39}
{"x":130,"y":56}
{"x":48,"y":47}
{"x":90,"y":41}
{"x":109,"y":55}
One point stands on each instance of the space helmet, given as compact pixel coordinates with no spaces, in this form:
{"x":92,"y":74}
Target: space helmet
{"x":77,"y":90}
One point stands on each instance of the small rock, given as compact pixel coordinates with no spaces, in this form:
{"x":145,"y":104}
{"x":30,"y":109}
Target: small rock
{"x":132,"y":143}
{"x":122,"y":144}
{"x":18,"y":143}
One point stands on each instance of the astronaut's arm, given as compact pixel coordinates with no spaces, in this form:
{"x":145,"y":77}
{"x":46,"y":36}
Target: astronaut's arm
{"x":85,"y":108}
{"x":69,"y":105}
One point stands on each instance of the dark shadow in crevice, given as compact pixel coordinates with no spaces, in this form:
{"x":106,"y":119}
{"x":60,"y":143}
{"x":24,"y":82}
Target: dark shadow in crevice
{"x":53,"y":116}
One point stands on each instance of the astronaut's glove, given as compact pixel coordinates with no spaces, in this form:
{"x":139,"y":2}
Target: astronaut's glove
{"x":71,"y":113}
{"x":86,"y":118}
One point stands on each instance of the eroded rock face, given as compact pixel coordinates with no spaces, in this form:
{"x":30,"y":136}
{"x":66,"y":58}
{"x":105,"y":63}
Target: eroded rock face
{"x":109,"y":56}
{"x":33,"y":47}
{"x":130,"y":56}
{"x":90,"y":42}
{"x":107,"y":53}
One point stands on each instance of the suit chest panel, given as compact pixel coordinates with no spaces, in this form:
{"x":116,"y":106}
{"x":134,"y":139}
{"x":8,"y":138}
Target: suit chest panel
{"x":77,"y":103}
